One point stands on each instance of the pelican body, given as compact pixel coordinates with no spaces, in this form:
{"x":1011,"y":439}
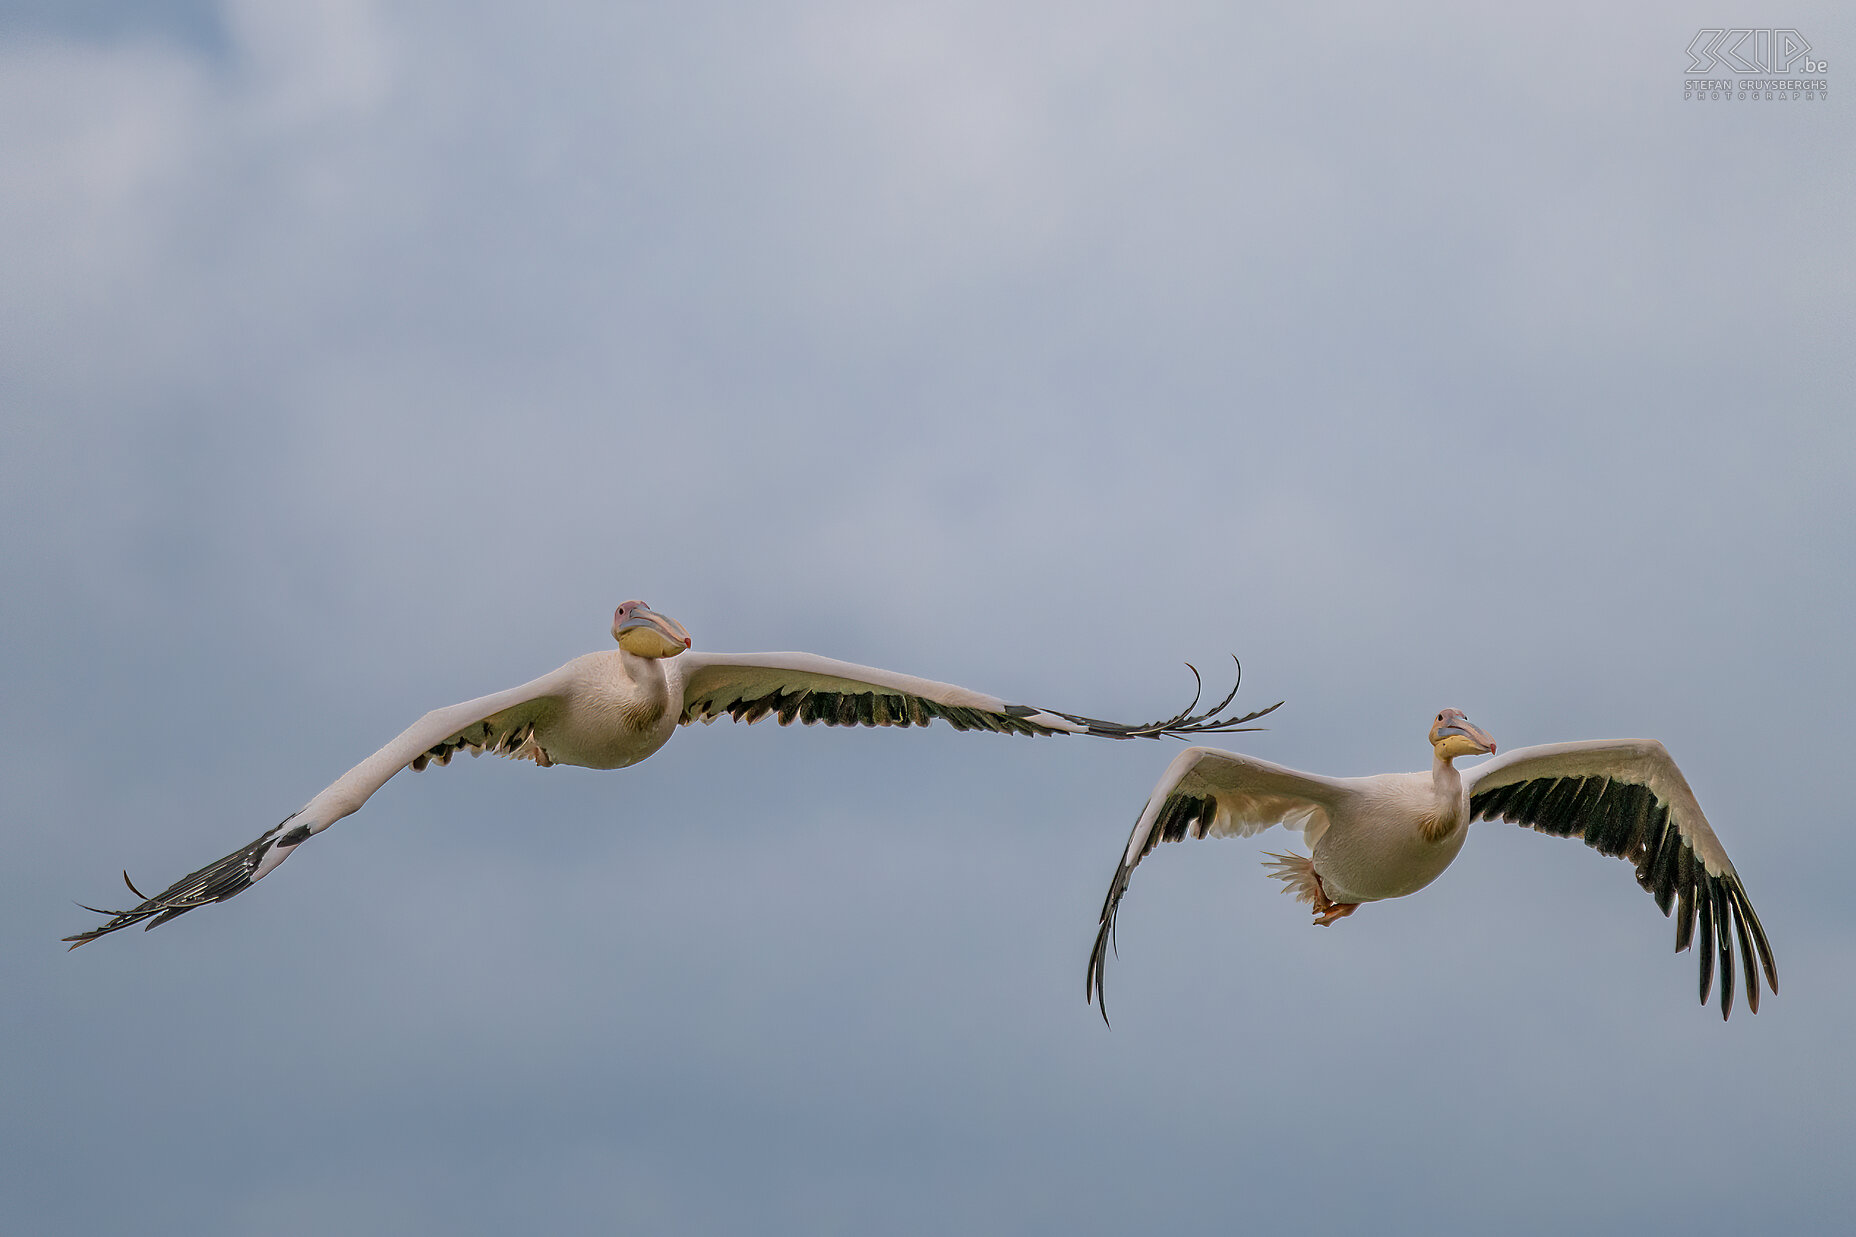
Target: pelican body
{"x":612,"y":709}
{"x":1391,"y":834}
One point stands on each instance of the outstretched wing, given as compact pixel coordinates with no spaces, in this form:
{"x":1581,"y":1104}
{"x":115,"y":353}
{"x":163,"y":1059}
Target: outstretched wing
{"x":504,"y":722}
{"x":808,"y":688}
{"x":1625,"y":797}
{"x":1208,"y":793}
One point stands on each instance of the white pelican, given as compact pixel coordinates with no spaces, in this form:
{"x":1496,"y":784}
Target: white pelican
{"x":1394,"y":833}
{"x":612,"y":709}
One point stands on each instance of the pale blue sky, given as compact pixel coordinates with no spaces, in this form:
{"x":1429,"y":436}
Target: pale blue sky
{"x":360,"y":357}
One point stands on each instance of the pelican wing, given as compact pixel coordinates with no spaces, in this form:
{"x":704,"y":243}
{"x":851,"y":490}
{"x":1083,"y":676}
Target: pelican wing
{"x":504,"y":722}
{"x":1625,"y":797}
{"x":807,"y":688}
{"x":1206,"y":793}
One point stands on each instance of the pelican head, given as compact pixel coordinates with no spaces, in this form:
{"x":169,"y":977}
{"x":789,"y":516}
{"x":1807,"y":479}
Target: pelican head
{"x":641,"y":630}
{"x":1454,"y":735}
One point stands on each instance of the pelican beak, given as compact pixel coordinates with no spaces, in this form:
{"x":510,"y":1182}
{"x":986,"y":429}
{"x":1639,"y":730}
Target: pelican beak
{"x":1456,"y":735}
{"x":648,"y":633}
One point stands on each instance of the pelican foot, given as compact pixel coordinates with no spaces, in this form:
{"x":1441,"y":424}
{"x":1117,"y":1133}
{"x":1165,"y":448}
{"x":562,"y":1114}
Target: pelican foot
{"x":1299,"y":878}
{"x":1327,"y":912}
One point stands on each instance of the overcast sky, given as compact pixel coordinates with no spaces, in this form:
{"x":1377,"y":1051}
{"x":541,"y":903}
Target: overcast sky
{"x":357,"y":358}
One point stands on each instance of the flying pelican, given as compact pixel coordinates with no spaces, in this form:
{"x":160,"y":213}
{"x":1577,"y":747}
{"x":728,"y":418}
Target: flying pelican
{"x":1394,"y":833}
{"x":612,"y":709}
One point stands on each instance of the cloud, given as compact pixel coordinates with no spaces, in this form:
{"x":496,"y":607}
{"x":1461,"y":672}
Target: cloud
{"x":361,"y":358}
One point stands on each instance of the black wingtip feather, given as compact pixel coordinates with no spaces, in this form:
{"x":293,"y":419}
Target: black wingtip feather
{"x":1626,"y":819}
{"x":223,"y":878}
{"x":1746,"y":952}
{"x":1751,"y":920}
{"x":1686,"y":905}
{"x":1184,"y":724}
{"x":1723,"y":930}
{"x":1105,"y":938}
{"x":1704,"y":904}
{"x":1098,"y":954}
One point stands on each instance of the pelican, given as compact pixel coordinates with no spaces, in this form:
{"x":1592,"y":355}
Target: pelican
{"x":1392,"y":834}
{"x":612,"y":709}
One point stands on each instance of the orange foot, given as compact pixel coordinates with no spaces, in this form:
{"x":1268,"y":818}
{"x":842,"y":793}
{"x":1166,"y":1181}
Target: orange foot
{"x":1333,"y":911}
{"x":1327,"y":912}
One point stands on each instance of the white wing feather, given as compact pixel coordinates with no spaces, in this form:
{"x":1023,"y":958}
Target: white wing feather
{"x":501,"y":720}
{"x":1208,"y":792}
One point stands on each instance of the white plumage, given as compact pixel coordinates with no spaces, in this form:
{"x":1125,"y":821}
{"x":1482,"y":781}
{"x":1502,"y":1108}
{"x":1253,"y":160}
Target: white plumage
{"x":1391,"y":834}
{"x":613,"y":709}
